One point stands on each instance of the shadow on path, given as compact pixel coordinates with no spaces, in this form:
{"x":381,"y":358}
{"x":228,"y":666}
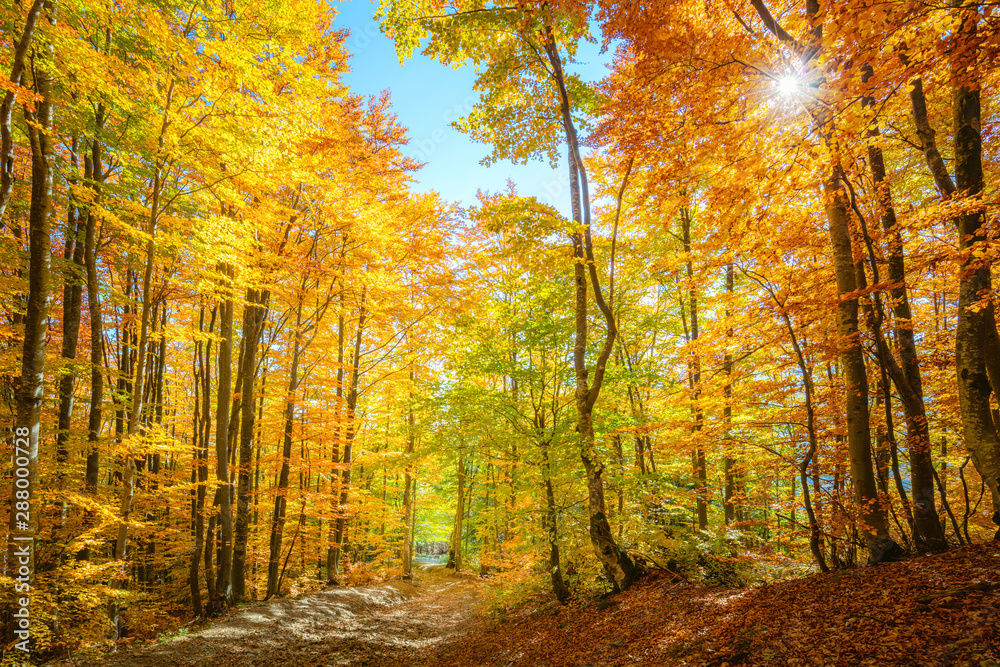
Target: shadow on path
{"x":395,"y":623}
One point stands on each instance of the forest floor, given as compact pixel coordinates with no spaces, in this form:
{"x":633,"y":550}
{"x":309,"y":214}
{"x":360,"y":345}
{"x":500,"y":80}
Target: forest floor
{"x":391,"y":624}
{"x":934,"y":610}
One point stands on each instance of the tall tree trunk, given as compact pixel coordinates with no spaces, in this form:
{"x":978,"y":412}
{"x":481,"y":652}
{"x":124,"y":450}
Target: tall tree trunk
{"x":253,"y":327}
{"x":125,"y":342}
{"x":332,"y":553}
{"x":206,"y":425}
{"x":72,"y":306}
{"x":198,"y":527}
{"x":927,"y":530}
{"x":155,"y":464}
{"x":729,"y":463}
{"x":618,"y":565}
{"x":551,"y":526}
{"x":352,"y":403}
{"x":975,"y":330}
{"x":875,"y":529}
{"x":815,"y":536}
{"x":222,"y":405}
{"x":411,"y":437}
{"x":256,"y":473}
{"x":413,"y":516}
{"x":95,"y":413}
{"x":254,"y":316}
{"x":880,"y":545}
{"x":455,"y":549}
{"x":10,"y":98}
{"x":694,"y":382}
{"x":280,"y":499}
{"x":24,"y":504}
{"x":972,"y":332}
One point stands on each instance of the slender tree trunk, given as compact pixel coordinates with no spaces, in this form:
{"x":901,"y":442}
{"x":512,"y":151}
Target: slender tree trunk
{"x":21,"y":50}
{"x":729,"y":463}
{"x":24,"y":506}
{"x":815,"y":536}
{"x":974,"y":322}
{"x":926,"y":523}
{"x":618,"y":566}
{"x":694,"y":382}
{"x":880,"y":545}
{"x":206,"y":425}
{"x":201,"y":476}
{"x":253,"y":326}
{"x":352,"y":403}
{"x":413,"y":516}
{"x":125,"y":342}
{"x":95,"y":413}
{"x":222,"y":405}
{"x":256,"y":474}
{"x":455,"y":551}
{"x":332,"y":553}
{"x":411,"y":437}
{"x":551,"y":525}
{"x":155,"y":464}
{"x":72,"y":306}
{"x":280,"y":499}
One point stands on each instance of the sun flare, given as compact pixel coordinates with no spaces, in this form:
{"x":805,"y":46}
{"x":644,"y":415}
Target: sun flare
{"x":787,"y":85}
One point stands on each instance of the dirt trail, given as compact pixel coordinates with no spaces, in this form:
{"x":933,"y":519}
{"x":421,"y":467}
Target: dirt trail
{"x":393,"y":624}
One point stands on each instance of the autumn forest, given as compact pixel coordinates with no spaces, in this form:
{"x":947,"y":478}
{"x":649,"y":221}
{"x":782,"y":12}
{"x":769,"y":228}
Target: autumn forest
{"x":245,"y":358}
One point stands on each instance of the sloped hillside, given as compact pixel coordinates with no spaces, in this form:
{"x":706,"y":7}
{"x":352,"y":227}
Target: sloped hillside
{"x":941,"y":609}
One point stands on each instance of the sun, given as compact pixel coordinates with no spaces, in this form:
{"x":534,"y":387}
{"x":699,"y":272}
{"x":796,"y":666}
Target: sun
{"x":787,"y":85}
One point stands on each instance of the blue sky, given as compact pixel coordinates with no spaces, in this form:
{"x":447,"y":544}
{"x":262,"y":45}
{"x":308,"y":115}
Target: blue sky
{"x":427,"y":96}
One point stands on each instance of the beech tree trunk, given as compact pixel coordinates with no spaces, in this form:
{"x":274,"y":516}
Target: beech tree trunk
{"x":975,"y":336}
{"x":332,"y":553}
{"x":128,"y":462}
{"x":815,"y":536}
{"x":352,"y":404}
{"x":729,"y":463}
{"x":202,"y":423}
{"x":72,"y":306}
{"x":24,"y":503}
{"x":694,"y":382}
{"x":551,"y":527}
{"x":455,"y":551}
{"x":10,"y":98}
{"x":881,"y":546}
{"x":198,"y":475}
{"x":407,"y":555}
{"x":253,"y":327}
{"x":618,"y":565}
{"x":280,"y":499}
{"x":926,"y":527}
{"x":222,"y":405}
{"x":972,"y":333}
{"x":95,"y":413}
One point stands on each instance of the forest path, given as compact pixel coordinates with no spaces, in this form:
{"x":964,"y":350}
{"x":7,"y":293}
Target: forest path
{"x":396,"y":623}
